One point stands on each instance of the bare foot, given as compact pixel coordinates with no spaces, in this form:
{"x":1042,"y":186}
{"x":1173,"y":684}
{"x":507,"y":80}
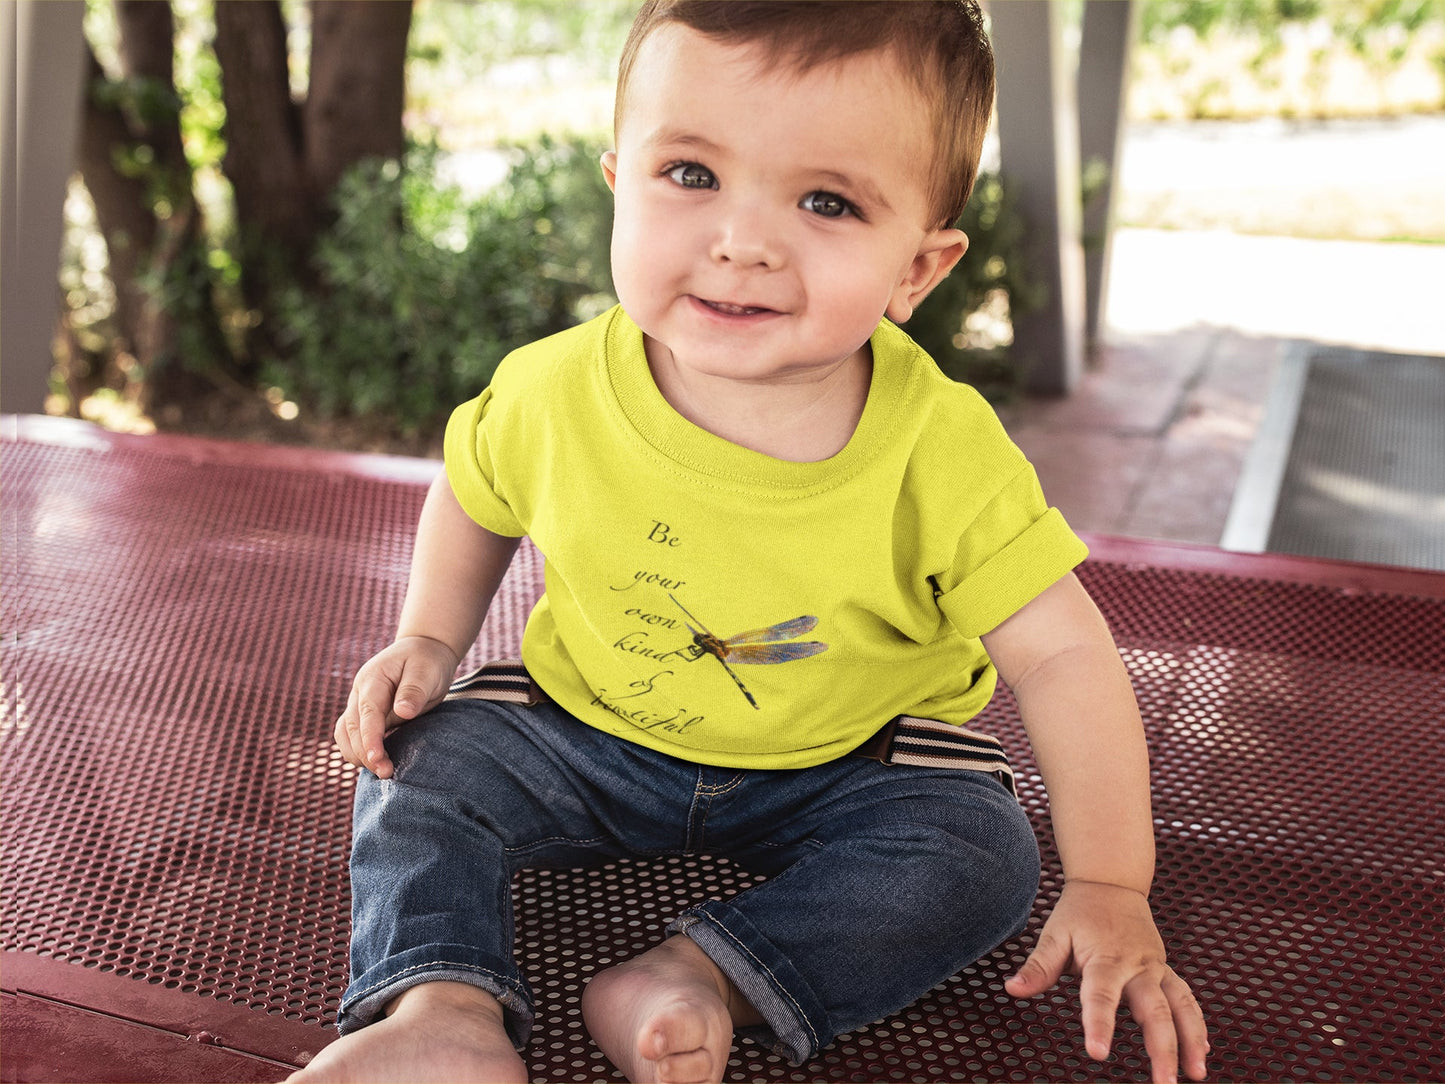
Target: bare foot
{"x":667,"y":1015}
{"x":440,"y":1031}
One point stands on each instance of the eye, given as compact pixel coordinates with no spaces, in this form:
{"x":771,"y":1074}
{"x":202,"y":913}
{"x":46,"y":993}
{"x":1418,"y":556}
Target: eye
{"x":692,"y":175}
{"x":827,"y":204}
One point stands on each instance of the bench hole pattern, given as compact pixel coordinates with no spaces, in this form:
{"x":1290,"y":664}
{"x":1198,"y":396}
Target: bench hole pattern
{"x":179,"y":633}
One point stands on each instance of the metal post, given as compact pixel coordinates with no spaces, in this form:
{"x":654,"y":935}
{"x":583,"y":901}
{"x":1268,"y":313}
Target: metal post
{"x":1039,"y":152}
{"x":41,"y":58}
{"x":1108,"y":36}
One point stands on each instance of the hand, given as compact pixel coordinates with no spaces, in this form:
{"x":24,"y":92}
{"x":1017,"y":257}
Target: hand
{"x":395,"y":685}
{"x":1106,"y":935}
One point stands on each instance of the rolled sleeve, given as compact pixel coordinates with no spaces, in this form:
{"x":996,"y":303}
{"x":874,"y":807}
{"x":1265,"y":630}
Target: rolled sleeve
{"x":1016,"y":548}
{"x":472,"y":469}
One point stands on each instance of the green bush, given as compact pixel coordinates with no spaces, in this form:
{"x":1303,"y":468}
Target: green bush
{"x":1346,"y":18}
{"x":966,"y":322}
{"x":1289,"y":58}
{"x":419,"y":292}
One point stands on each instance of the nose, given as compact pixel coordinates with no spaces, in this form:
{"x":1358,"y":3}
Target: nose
{"x":746,"y":237}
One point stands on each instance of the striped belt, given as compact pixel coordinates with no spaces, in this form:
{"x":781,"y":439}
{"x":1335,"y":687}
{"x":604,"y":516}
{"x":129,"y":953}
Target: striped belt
{"x":928,"y":743}
{"x":905,"y":739}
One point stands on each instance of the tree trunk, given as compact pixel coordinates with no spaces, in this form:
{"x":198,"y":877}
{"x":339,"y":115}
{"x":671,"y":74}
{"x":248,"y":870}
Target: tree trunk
{"x":147,"y":52}
{"x":145,"y":206}
{"x":263,"y":129}
{"x":283,"y":160}
{"x":121,"y":207}
{"x":358,"y":89}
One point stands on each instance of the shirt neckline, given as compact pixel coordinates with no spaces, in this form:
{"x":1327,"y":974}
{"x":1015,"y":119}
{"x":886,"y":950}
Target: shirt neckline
{"x":644,"y":410}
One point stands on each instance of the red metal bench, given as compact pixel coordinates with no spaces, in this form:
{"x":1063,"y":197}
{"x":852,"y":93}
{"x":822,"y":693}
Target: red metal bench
{"x":181,"y":619}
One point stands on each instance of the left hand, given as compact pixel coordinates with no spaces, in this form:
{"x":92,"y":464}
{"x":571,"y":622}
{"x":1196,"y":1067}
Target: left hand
{"x":1106,"y":935}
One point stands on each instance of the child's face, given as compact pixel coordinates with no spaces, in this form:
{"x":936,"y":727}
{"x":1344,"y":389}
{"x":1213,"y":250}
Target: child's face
{"x":766,"y":219}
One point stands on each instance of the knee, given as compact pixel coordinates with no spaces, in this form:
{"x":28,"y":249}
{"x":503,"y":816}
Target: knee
{"x":431,"y":746}
{"x":437,"y":758}
{"x":982,"y":858}
{"x":441,"y":769}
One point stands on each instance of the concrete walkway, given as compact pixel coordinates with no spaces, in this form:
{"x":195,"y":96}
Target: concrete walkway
{"x":1154,"y":441}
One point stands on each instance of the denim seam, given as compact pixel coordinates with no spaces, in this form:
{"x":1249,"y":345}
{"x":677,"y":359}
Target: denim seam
{"x":713,"y":790}
{"x":778,"y":986}
{"x":519,"y":849}
{"x":431,"y":965}
{"x":809,"y":842}
{"x":709,"y":792}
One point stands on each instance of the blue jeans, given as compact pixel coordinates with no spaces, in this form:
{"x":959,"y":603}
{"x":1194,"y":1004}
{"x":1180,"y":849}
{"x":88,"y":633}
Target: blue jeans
{"x":883,"y":880}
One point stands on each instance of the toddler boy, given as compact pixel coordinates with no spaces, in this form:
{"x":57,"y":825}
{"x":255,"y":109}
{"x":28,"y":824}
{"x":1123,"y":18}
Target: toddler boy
{"x":781,"y":551}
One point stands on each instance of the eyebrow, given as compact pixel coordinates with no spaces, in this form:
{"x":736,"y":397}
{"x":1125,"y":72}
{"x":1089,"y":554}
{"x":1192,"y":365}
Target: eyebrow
{"x":867,"y":192}
{"x":673,"y":137}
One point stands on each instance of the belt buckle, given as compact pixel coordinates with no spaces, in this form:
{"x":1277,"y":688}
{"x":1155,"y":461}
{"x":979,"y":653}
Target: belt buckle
{"x":880,"y":746}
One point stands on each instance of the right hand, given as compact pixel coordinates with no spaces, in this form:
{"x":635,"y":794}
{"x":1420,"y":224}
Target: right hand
{"x":395,"y":686}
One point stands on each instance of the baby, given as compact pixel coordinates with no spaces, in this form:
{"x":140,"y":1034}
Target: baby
{"x":786,"y":563}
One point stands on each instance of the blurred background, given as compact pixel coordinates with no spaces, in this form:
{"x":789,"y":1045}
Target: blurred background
{"x":324,"y":223}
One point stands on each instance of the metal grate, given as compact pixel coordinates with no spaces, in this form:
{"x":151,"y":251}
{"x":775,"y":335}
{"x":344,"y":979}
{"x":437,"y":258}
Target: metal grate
{"x":181,"y":620}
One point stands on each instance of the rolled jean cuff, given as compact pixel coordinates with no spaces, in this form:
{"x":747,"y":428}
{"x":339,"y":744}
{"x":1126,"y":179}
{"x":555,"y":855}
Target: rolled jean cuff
{"x":773,"y":987}
{"x":370,"y":993}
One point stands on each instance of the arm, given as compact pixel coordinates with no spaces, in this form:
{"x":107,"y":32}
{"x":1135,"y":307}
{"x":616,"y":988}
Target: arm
{"x":456,"y":568}
{"x":1078,"y":707}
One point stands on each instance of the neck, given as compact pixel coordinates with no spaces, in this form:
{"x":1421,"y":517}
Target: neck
{"x":802,"y":421}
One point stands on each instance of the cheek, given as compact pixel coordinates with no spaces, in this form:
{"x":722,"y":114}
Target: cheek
{"x":640,"y":237}
{"x":851,"y":285}
{"x":629,"y":253}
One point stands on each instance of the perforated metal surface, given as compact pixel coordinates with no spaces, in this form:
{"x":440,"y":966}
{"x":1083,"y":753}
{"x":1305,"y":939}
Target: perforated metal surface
{"x":181,"y":619}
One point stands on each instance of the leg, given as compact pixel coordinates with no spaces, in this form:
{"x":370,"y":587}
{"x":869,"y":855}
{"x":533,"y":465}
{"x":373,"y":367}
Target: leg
{"x":479,"y":791}
{"x":885,"y":883}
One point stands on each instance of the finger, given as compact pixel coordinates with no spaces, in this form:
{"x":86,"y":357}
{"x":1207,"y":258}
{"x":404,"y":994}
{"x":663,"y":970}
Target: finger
{"x":1155,"y":1017}
{"x":370,"y":744}
{"x":1189,"y":1025}
{"x":412,"y":697}
{"x":344,"y":744}
{"x":1100,"y":987}
{"x":347,"y":730}
{"x":1044,"y":967}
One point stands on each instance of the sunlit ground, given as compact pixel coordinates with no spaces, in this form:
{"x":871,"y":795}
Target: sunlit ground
{"x":1347,"y":178}
{"x":1330,"y":231}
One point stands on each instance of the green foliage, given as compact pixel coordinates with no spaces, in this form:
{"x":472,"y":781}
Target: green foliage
{"x":523,"y":66}
{"x":198,"y":79}
{"x":965,"y":322}
{"x":1223,"y":58}
{"x":421,"y":292}
{"x":1348,"y":18}
{"x":499,"y":32}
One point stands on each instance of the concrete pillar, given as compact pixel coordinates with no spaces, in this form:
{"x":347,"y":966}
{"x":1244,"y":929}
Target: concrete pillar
{"x":1108,"y":36}
{"x":41,"y":76}
{"x":1038,"y":129}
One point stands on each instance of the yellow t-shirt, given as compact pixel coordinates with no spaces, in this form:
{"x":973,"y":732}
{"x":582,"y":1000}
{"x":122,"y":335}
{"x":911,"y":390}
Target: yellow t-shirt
{"x":730,"y":608}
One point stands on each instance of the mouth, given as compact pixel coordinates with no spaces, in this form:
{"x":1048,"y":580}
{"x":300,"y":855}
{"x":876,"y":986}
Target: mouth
{"x":727,"y":309}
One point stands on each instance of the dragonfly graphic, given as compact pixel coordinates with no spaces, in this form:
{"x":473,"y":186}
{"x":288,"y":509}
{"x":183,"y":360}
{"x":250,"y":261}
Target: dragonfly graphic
{"x":754,"y":647}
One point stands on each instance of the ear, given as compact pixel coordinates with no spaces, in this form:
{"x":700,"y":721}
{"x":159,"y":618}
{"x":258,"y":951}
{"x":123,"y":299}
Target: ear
{"x":939,"y":251}
{"x":609,"y":169}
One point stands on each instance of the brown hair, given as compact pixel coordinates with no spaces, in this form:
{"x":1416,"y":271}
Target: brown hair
{"x":941,"y":42}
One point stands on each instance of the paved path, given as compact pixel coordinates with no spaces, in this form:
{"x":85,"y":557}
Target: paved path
{"x":1153,"y":442}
